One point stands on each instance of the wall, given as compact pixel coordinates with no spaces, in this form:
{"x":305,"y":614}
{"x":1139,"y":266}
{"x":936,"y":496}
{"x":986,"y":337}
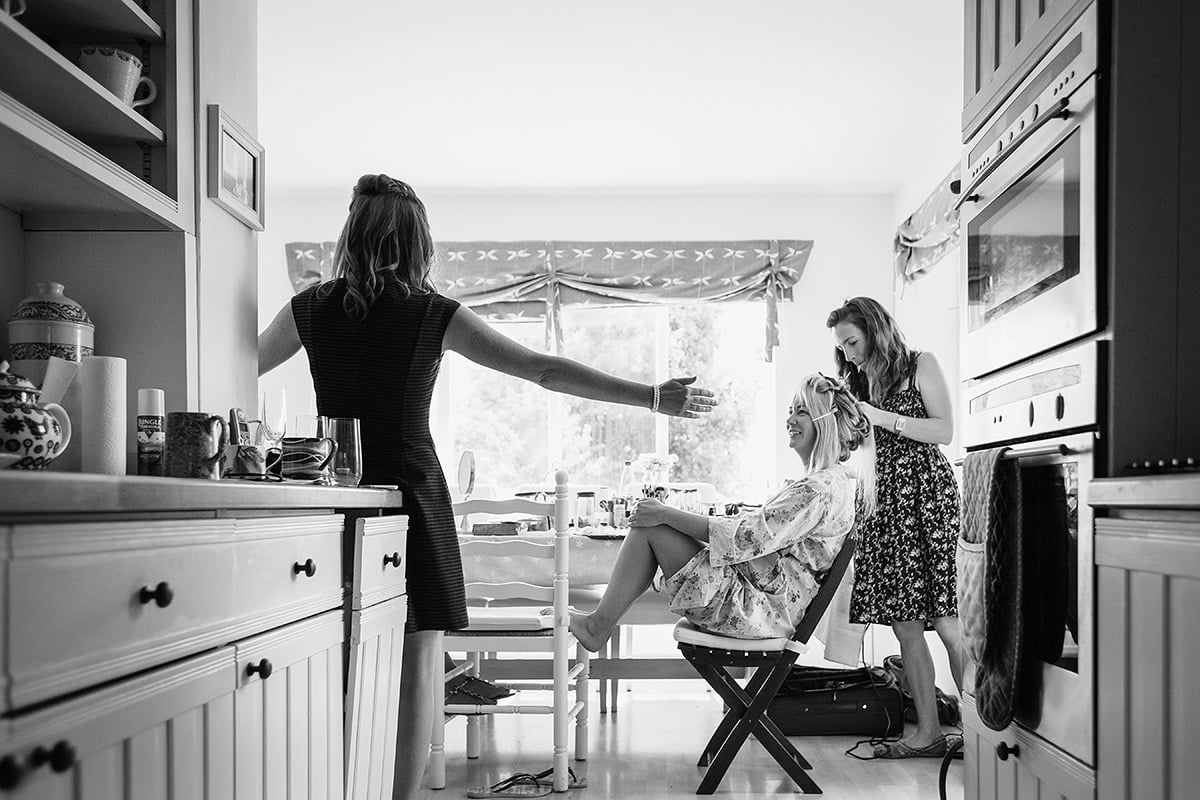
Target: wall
{"x":12,"y":270}
{"x":227,"y":265}
{"x":851,"y":254}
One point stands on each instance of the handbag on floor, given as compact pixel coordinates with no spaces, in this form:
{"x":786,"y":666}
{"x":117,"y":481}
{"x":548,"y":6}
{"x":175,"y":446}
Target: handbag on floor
{"x":815,"y":701}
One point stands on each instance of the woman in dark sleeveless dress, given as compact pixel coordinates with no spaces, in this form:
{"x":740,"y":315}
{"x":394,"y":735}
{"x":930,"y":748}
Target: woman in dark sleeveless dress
{"x":904,"y":574}
{"x":374,"y":339}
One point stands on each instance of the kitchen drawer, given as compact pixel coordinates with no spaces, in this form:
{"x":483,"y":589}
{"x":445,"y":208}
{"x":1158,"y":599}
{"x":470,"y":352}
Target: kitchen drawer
{"x":379,"y":560}
{"x":88,"y":602}
{"x":286,"y":568}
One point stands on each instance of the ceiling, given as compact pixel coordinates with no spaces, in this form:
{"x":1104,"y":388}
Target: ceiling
{"x":479,"y":95}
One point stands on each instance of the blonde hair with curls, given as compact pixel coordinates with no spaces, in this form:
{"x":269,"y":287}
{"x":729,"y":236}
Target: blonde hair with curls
{"x":839,"y":433}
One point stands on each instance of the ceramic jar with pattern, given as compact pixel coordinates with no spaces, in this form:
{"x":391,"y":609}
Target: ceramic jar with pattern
{"x":32,"y":434}
{"x":45,"y":324}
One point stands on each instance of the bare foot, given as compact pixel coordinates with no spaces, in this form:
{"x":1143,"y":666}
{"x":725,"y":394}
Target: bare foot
{"x":583,"y":630}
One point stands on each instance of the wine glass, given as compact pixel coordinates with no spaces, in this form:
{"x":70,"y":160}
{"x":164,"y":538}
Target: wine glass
{"x":272,"y":425}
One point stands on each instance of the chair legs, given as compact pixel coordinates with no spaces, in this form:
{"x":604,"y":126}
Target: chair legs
{"x":473,"y":721}
{"x":747,"y":716}
{"x":437,"y":739}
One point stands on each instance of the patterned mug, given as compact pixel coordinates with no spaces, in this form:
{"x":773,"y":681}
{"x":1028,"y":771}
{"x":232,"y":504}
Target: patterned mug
{"x":305,"y":458}
{"x":196,"y":444}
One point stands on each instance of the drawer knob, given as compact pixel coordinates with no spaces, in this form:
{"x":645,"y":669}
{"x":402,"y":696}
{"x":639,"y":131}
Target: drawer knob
{"x":393,"y":559}
{"x":309,"y":568}
{"x":162,"y":595}
{"x":263,"y":669}
{"x":60,"y":757}
{"x":1004,"y":750}
{"x":11,"y":772}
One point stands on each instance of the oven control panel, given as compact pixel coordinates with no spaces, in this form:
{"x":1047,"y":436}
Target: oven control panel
{"x":1035,"y":398}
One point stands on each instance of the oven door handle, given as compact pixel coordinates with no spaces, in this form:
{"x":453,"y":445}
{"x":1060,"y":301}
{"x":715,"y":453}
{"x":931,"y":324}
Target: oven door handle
{"x":1059,"y":110}
{"x":1037,"y":450}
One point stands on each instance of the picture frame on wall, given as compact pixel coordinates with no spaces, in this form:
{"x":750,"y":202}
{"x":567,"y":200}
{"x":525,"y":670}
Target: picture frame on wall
{"x":236,"y":167}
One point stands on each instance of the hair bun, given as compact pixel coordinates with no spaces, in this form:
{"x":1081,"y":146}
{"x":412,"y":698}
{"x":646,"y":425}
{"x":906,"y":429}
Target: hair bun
{"x":381,"y":184}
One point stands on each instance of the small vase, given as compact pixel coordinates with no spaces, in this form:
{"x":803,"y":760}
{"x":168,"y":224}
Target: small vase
{"x":48,"y":323}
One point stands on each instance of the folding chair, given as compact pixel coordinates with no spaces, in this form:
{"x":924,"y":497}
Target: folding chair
{"x":710,"y":654}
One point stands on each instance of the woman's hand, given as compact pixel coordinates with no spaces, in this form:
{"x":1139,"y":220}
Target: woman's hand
{"x":649,"y":512}
{"x":874,"y":415}
{"x":678,"y":398}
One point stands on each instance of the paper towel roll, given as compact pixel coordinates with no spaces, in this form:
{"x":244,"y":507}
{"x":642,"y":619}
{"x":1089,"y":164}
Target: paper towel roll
{"x":102,"y":383}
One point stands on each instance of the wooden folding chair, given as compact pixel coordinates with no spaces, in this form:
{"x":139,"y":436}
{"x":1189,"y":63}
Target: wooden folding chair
{"x":710,"y":654}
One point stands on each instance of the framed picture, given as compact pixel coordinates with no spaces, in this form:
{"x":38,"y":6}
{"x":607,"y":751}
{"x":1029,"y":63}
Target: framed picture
{"x":236,"y":163}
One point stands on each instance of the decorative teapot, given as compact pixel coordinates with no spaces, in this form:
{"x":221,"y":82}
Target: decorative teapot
{"x":31,"y":434}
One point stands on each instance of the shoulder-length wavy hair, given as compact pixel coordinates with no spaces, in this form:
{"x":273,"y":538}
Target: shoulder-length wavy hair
{"x":840,"y":433}
{"x":386,"y":238}
{"x":889,"y":361}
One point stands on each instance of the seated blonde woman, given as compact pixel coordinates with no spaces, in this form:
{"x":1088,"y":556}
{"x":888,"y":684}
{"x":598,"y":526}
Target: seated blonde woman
{"x":751,"y":576}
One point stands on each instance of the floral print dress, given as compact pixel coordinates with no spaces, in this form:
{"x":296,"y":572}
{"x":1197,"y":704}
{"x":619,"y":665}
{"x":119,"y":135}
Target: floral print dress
{"x":904,"y":565}
{"x":761,"y":569}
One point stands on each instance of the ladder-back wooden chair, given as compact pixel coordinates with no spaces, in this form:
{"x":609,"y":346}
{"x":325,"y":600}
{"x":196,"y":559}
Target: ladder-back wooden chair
{"x":540,"y":626}
{"x":711,"y":654}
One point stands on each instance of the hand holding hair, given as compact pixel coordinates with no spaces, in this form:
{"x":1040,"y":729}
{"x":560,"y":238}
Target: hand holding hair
{"x":678,"y":398}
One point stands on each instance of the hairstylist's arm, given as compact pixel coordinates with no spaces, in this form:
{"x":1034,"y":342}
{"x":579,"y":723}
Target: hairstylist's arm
{"x":279,"y":341}
{"x":652,"y":512}
{"x":938,"y":428}
{"x":473,"y":338}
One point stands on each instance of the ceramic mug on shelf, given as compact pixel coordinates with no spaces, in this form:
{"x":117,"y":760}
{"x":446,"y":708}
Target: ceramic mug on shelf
{"x":304,"y":458}
{"x":196,"y":444}
{"x":119,"y":71}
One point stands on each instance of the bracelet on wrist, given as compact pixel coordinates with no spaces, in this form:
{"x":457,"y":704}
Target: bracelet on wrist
{"x":654,"y":404}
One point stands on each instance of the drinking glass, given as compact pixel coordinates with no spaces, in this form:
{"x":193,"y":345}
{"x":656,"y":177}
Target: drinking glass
{"x":311,"y":426}
{"x":346,"y":467}
{"x":272,"y":418}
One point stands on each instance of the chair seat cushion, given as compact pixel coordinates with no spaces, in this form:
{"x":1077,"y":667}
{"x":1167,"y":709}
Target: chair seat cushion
{"x":687,"y":633}
{"x":519,"y":618}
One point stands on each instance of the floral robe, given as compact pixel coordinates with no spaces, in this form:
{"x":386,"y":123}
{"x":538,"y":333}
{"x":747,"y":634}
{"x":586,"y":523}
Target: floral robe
{"x":761,"y":569}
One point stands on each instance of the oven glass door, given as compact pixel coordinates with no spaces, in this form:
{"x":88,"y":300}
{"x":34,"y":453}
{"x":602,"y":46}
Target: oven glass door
{"x":1030,"y":279}
{"x":1055,"y":694}
{"x":1025,"y":242}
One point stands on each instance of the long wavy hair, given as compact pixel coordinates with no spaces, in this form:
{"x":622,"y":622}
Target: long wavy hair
{"x":386,"y":238}
{"x":889,"y":361}
{"x":841,"y":433}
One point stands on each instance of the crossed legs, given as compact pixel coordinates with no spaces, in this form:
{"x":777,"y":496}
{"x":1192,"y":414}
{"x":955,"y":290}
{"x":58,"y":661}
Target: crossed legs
{"x":642,"y":553}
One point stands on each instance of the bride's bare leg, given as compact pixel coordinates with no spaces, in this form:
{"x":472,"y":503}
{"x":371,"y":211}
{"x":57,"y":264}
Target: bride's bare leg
{"x":642,"y":553}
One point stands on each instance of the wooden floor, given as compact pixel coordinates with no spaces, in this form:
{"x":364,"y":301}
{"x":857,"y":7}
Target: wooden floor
{"x":648,"y":750}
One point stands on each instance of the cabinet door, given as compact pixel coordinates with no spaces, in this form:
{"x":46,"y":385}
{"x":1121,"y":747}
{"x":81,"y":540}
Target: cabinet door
{"x":1029,"y":768}
{"x":373,"y":697}
{"x":288,"y":712}
{"x":165,"y":735}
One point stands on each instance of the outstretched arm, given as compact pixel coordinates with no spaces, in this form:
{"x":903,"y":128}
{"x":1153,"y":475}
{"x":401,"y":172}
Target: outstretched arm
{"x":279,"y":341}
{"x":473,"y":338}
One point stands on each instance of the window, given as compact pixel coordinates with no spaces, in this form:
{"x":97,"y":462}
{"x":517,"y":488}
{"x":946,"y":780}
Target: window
{"x":521,"y":433}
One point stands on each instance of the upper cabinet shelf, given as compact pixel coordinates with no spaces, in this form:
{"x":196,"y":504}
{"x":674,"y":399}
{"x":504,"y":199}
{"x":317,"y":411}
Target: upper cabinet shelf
{"x":41,"y":78}
{"x":91,"y":21}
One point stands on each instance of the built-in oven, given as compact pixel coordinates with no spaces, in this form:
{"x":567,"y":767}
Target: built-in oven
{"x":1027,"y":201}
{"x":1045,"y":413}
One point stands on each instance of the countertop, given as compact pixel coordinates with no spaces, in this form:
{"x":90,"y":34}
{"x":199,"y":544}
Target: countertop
{"x":1147,"y":491}
{"x":23,"y":493}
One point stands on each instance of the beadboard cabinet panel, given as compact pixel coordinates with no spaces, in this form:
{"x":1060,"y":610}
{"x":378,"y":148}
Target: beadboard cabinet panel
{"x":288,"y":743}
{"x":143,"y":737}
{"x":1148,"y":583}
{"x":373,"y":698}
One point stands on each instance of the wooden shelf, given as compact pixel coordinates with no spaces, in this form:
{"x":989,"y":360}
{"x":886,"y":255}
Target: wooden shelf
{"x":46,"y":171}
{"x":91,"y":21}
{"x":37,"y":75}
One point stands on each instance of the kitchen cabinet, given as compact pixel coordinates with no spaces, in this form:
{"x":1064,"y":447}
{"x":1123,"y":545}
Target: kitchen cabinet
{"x":1004,"y":40}
{"x":1148,"y":590}
{"x":188,"y":639}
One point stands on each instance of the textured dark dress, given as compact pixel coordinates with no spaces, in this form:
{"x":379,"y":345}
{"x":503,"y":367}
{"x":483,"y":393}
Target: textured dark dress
{"x":904,"y":565}
{"x":382,"y":370}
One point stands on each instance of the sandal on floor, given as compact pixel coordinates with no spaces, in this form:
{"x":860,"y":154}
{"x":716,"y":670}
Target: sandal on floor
{"x":573,"y":782}
{"x":521,"y":784}
{"x":935,"y":749}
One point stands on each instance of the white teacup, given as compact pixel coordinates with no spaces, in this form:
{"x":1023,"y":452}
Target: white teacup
{"x":14,"y":8}
{"x":118,"y":71}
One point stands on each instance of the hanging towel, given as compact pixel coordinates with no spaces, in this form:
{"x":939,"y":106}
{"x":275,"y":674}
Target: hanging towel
{"x":989,"y":563}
